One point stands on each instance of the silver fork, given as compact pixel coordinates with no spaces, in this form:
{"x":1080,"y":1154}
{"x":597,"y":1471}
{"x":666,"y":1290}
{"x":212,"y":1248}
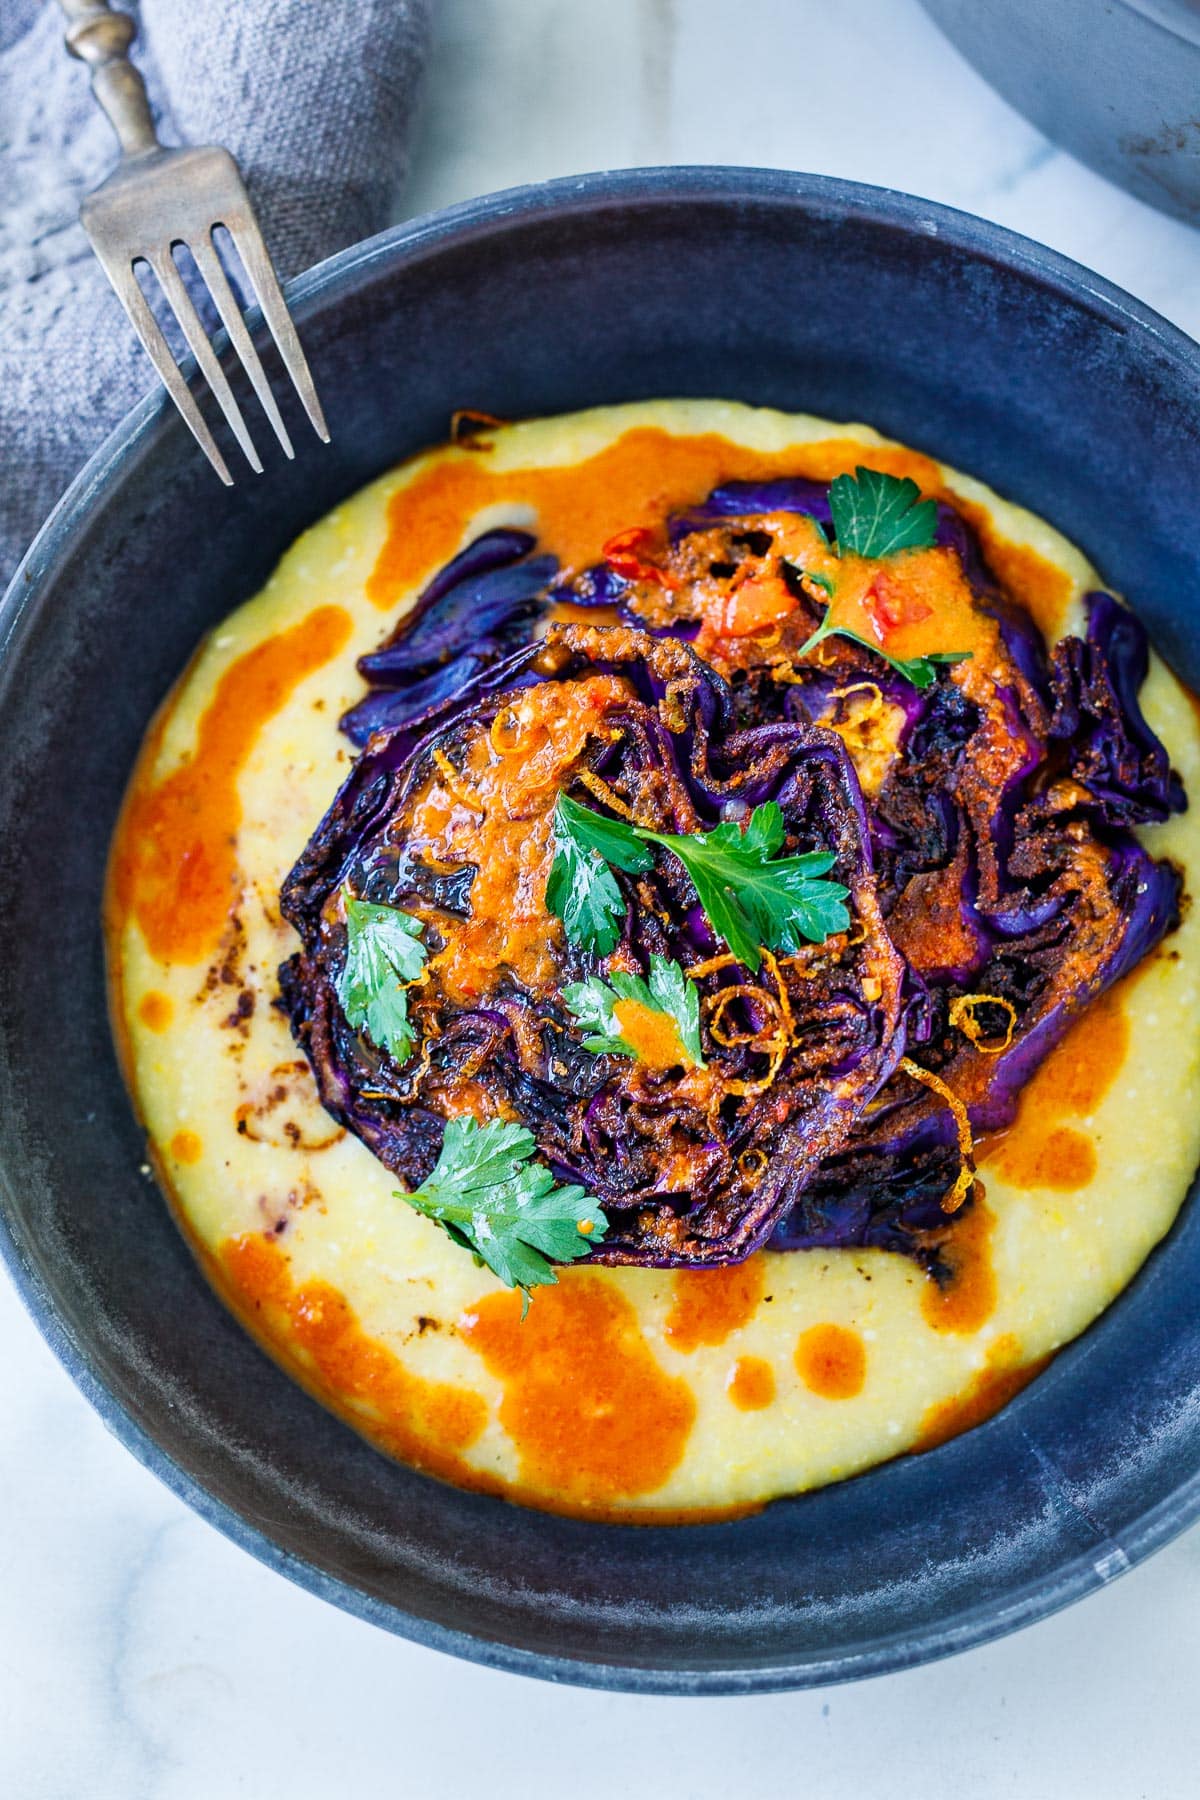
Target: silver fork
{"x":158,"y":197}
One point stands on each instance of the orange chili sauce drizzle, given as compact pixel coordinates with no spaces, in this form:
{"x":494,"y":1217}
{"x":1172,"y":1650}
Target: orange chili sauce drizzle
{"x":707,"y":1305}
{"x":593,"y":1416}
{"x":156,"y":1010}
{"x":751,"y":1384}
{"x":931,"y":583}
{"x":425,"y":1423}
{"x":173,"y":865}
{"x":993,"y":1387}
{"x":1038,"y":1149}
{"x":314,"y":1332}
{"x":635,"y":481}
{"x":831,"y":1361}
{"x":652,"y":1036}
{"x":187,"y":1146}
{"x":967,"y":1300}
{"x":1042,"y":588}
{"x":495,"y":811}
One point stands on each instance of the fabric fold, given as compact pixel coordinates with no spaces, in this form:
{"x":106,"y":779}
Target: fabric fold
{"x":315,"y":101}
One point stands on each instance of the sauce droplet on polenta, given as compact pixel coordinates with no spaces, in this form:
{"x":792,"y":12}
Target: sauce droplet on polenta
{"x":831,"y":1360}
{"x":156,"y":1010}
{"x":187,"y":1146}
{"x":751,"y":1384}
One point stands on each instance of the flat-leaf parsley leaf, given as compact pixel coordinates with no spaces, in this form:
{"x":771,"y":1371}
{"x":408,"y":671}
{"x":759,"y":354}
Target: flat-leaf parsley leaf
{"x":383,"y":952}
{"x":494,"y":1200}
{"x":920,"y":670}
{"x":875,"y":514}
{"x":581,"y":889}
{"x":751,"y":896}
{"x":668,"y":991}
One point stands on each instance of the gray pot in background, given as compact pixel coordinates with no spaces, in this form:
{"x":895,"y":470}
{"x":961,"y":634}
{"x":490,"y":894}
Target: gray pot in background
{"x":1115,"y":81}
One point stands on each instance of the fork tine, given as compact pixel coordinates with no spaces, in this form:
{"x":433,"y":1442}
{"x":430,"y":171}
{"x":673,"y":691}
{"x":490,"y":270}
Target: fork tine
{"x":253,"y":252}
{"x":209,"y":265}
{"x":124,"y":281}
{"x":163,"y":264}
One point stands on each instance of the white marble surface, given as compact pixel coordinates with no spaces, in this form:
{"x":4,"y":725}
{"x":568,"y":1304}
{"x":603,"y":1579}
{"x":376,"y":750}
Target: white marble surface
{"x":144,"y":1658}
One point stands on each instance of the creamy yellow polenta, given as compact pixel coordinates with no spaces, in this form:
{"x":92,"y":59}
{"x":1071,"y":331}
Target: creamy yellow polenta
{"x":634,"y":1392}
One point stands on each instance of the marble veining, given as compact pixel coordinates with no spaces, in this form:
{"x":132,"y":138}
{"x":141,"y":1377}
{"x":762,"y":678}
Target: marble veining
{"x":142,"y":1657}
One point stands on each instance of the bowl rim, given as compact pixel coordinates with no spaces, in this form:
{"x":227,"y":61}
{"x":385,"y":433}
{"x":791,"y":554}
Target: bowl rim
{"x":324,"y":284}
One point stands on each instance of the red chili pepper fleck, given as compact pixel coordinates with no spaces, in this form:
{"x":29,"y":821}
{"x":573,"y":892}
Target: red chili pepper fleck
{"x":621,"y":555}
{"x":891,"y":607}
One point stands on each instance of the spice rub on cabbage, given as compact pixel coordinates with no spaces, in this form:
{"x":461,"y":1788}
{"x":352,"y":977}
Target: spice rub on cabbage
{"x":751,"y":901}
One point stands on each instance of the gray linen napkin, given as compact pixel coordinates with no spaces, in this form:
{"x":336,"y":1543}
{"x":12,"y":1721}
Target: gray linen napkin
{"x":315,"y":98}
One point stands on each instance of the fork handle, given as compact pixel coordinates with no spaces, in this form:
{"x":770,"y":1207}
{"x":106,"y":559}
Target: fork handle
{"x":101,"y":38}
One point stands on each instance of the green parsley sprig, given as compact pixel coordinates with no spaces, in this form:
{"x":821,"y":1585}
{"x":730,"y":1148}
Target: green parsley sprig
{"x":581,"y":889}
{"x":383,"y":952}
{"x":488,"y":1194}
{"x":668,"y":991}
{"x":751,"y":896}
{"x":875,"y":514}
{"x":921,"y":671}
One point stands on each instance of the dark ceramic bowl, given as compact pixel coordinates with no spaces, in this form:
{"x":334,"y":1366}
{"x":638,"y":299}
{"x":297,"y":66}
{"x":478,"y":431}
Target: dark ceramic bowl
{"x":1114,"y":81}
{"x":775,"y":288}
